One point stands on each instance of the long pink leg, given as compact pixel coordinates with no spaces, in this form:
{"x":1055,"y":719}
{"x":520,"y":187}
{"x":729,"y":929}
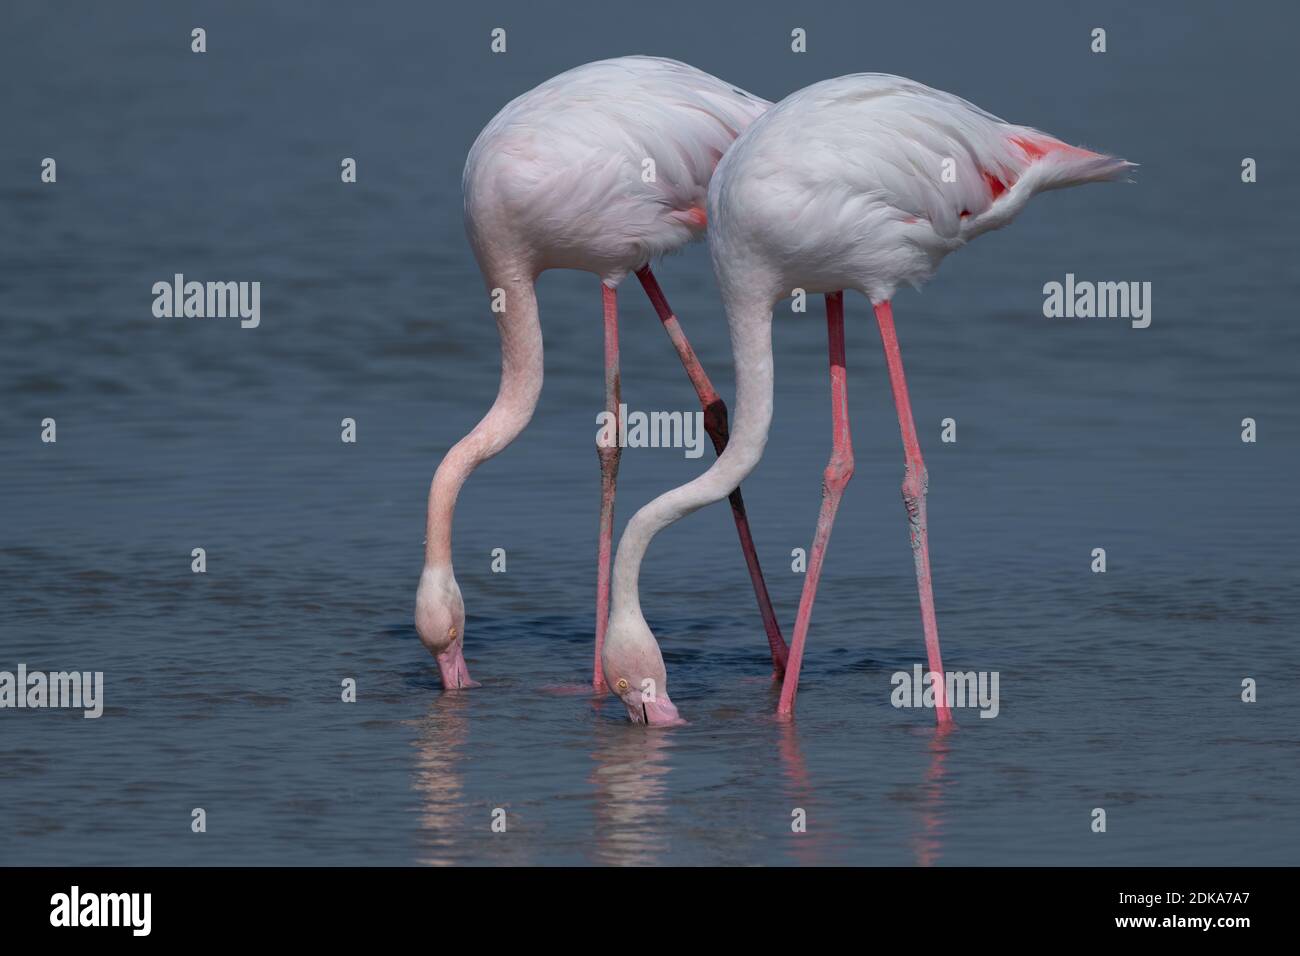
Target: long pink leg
{"x":838,"y":472}
{"x":915,"y":483}
{"x":608,"y":479}
{"x":715,"y":423}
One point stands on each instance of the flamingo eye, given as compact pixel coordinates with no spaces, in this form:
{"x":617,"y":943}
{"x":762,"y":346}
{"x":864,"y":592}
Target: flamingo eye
{"x":622,"y":684}
{"x":451,"y":632}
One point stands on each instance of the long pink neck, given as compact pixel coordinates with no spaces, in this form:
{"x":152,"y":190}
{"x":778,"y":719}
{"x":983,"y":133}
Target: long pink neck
{"x":521,"y":386}
{"x":750,"y":318}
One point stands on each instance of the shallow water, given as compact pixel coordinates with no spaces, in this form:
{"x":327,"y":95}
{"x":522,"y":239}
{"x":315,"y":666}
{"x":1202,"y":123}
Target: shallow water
{"x":1118,"y":690}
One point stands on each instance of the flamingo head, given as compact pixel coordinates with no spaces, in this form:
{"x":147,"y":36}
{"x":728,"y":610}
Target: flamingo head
{"x":634,"y":670}
{"x":440,"y":622}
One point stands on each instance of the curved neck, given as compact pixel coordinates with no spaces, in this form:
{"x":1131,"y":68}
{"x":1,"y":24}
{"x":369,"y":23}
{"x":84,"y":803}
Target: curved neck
{"x":521,"y":386}
{"x":750,"y":319}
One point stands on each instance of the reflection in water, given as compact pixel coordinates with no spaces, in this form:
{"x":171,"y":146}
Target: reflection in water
{"x":630,"y":781}
{"x":441,"y":736}
{"x":792,"y":762}
{"x":929,"y":842}
{"x":808,"y":848}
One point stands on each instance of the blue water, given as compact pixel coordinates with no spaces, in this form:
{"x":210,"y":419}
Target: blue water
{"x":1118,"y":690}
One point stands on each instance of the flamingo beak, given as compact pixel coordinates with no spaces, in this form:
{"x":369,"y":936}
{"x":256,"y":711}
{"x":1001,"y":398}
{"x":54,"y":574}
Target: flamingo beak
{"x":451,"y":664}
{"x":660,"y":712}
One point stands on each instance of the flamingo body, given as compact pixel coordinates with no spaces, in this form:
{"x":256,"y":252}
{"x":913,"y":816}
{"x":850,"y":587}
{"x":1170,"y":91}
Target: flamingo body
{"x":599,"y":169}
{"x":868,"y":181}
{"x":560,"y":178}
{"x":864,"y":182}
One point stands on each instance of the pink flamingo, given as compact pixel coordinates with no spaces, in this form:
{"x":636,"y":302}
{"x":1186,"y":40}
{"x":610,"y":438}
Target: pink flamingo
{"x":864,"y":182}
{"x":601,"y":169}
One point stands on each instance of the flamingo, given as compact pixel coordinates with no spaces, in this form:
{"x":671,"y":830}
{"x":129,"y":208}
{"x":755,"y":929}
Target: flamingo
{"x":864,"y":182}
{"x":602,"y":169}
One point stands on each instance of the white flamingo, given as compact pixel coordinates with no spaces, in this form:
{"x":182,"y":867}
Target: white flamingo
{"x":863,"y":182}
{"x":601,"y":169}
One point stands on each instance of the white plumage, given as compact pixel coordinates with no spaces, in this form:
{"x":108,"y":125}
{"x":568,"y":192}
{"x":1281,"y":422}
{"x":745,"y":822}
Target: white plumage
{"x":863,"y":182}
{"x":559,"y":178}
{"x":601,"y":169}
{"x":868,"y":181}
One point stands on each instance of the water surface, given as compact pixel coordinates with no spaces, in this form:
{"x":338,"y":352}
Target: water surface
{"x":1118,"y":690}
